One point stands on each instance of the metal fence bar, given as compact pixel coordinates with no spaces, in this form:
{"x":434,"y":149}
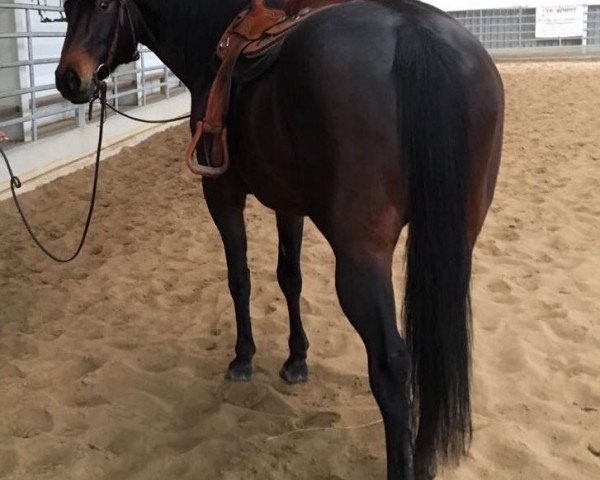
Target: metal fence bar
{"x":30,"y":6}
{"x":32,"y":102}
{"x":166,"y":74}
{"x":9,"y":35}
{"x":39,"y":114}
{"x":142,"y":62}
{"x":26,"y":91}
{"x":25,"y":63}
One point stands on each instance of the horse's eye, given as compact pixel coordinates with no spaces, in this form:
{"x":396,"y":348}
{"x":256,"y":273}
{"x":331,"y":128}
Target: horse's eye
{"x":104,"y":4}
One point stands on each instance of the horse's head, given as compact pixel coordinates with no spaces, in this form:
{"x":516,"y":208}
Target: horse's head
{"x":100,"y":36}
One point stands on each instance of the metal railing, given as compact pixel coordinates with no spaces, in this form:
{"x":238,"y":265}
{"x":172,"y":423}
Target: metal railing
{"x":506,"y":28}
{"x":593,"y":25}
{"x":37,"y":103}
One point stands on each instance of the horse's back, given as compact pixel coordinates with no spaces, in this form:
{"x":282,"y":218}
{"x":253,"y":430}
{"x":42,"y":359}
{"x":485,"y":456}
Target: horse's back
{"x":351,"y":57}
{"x":333,"y":101}
{"x":364,"y":34}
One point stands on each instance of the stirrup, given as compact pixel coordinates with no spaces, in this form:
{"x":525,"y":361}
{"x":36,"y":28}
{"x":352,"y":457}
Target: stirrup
{"x":192,"y":160}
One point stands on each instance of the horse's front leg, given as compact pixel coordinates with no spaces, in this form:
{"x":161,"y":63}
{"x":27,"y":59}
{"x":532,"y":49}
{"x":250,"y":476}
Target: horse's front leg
{"x":226,"y":200}
{"x":290,"y":228}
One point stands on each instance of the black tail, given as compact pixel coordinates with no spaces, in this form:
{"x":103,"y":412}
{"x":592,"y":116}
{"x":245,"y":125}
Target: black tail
{"x":434,"y":135}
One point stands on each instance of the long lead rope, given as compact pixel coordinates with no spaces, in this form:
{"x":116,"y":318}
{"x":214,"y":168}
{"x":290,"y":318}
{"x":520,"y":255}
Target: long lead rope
{"x":143,"y":120}
{"x":15,"y":182}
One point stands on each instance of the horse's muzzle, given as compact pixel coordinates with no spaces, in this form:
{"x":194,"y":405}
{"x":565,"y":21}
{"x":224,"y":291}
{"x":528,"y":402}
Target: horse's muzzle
{"x":69,"y":84}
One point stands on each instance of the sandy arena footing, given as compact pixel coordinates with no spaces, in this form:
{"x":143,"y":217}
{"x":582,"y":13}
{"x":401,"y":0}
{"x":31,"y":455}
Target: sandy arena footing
{"x":112,"y":367}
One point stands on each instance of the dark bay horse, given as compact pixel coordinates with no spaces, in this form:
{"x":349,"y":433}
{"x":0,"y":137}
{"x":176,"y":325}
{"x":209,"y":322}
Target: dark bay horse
{"x":377,"y":114}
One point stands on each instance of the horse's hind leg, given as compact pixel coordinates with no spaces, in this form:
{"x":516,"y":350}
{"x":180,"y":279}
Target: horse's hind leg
{"x":290,"y":229}
{"x":366,"y":294}
{"x":226,"y":202}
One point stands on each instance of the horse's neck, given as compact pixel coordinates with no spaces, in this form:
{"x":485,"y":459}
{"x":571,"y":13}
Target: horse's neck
{"x":184,"y":33}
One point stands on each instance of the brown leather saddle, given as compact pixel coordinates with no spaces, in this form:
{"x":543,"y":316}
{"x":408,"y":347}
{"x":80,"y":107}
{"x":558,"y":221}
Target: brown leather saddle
{"x":252,"y":33}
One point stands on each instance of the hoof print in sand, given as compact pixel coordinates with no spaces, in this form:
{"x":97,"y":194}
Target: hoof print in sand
{"x":29,"y":422}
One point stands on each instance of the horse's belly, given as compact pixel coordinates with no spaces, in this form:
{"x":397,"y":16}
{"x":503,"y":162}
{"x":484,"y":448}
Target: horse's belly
{"x":272,"y":180}
{"x":262,"y":150}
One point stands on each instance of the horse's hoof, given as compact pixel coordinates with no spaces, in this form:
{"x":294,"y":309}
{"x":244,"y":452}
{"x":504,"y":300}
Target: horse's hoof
{"x":239,"y":371}
{"x":294,"y":372}
{"x":424,"y":476}
{"x":428,"y":472}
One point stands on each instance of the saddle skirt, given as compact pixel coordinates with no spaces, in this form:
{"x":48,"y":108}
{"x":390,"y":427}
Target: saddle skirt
{"x":252,"y":35}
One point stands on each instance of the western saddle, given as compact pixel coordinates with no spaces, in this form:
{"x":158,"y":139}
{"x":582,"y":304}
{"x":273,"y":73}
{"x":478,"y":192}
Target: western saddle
{"x":251,"y":34}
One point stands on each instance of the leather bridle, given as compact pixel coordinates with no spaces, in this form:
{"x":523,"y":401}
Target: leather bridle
{"x":124,"y":15}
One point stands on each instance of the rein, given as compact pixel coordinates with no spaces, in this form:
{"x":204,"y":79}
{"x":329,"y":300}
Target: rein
{"x":15,"y":182}
{"x":101,"y":74}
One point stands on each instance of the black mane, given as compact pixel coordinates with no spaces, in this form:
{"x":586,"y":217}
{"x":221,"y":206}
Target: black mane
{"x":185,"y":34}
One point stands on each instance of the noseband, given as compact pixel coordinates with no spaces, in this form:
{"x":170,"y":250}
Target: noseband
{"x":124,"y":15}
